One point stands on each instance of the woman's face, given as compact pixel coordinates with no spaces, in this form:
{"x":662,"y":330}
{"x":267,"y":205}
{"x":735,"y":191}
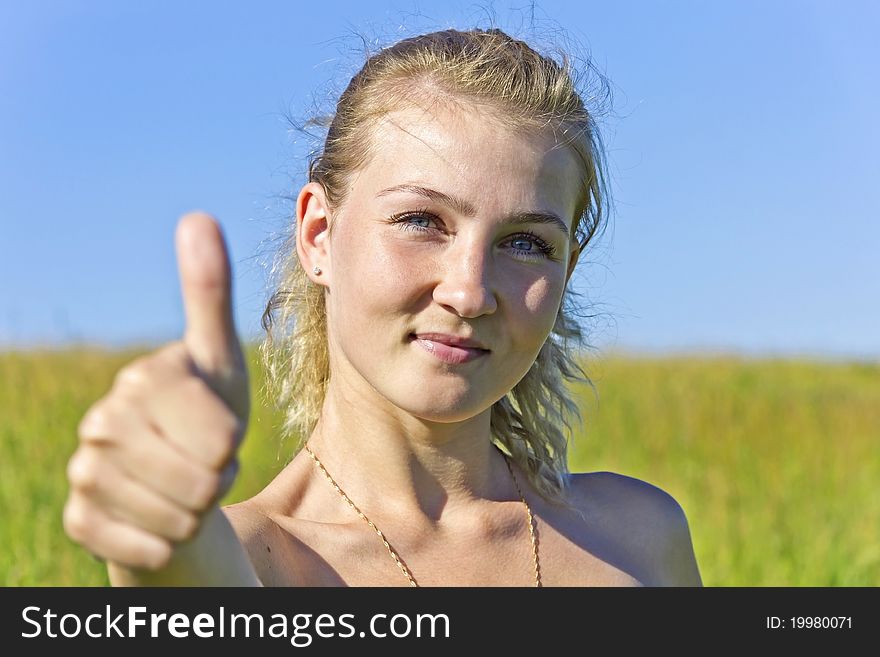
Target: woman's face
{"x":404,"y":262}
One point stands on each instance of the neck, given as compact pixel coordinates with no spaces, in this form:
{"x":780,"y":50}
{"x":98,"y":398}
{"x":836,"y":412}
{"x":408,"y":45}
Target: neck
{"x":407,"y":466}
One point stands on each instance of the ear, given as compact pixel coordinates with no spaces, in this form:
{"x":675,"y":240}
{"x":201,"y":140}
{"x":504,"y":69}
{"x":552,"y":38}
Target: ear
{"x":572,"y":261}
{"x":312,"y":236}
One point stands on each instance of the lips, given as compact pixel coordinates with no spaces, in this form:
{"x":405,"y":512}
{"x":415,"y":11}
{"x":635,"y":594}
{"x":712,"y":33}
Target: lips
{"x":447,"y":353}
{"x":452,"y":340}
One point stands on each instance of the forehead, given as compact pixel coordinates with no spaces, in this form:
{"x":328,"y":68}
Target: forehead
{"x":465,"y":151}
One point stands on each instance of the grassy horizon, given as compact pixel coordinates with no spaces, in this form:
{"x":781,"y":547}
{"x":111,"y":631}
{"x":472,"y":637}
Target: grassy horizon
{"x":775,"y":462}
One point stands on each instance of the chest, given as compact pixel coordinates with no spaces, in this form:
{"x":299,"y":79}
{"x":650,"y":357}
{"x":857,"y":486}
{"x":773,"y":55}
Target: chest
{"x":318,"y":554}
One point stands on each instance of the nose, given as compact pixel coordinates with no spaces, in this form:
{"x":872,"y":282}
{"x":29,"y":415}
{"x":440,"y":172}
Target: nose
{"x":466,"y":284}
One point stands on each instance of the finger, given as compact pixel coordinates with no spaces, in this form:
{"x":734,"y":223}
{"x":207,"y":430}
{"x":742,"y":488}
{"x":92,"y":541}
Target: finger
{"x":130,"y":502}
{"x":94,"y":477}
{"x":197,"y":423}
{"x":112,"y":540}
{"x":157,"y":463}
{"x":205,"y":281}
{"x":206,"y":286}
{"x":147,"y":456}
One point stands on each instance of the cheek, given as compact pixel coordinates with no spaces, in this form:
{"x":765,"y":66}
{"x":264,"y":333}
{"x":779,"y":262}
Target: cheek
{"x":539,"y":295}
{"x":400,"y":266}
{"x":360,"y":262}
{"x":368,"y":281}
{"x":540,"y":298}
{"x":389,"y":271}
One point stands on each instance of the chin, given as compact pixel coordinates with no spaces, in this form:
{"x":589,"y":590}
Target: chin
{"x":443,"y":411}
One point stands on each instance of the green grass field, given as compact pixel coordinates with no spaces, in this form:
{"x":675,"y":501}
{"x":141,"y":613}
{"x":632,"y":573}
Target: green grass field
{"x":776,"y":463}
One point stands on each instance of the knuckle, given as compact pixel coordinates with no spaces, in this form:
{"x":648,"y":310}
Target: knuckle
{"x":134,"y":376}
{"x":96,"y":422}
{"x":83,"y":471}
{"x":159,"y":557}
{"x":76,"y":521}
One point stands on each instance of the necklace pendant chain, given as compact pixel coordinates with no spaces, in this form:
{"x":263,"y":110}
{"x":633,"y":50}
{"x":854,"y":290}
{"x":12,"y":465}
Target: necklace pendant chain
{"x":531,"y":519}
{"x":393,"y":553}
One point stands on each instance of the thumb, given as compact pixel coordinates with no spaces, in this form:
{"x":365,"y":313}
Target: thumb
{"x":206,"y":287}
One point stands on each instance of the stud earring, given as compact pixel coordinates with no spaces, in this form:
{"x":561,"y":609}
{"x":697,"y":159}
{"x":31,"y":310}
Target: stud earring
{"x":317,"y":270}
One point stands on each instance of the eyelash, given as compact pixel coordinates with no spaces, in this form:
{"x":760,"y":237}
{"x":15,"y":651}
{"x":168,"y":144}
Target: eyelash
{"x":546,"y":250}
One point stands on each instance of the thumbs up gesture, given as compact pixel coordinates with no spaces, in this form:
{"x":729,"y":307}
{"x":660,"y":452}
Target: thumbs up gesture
{"x":210,"y":338}
{"x":158,"y":451}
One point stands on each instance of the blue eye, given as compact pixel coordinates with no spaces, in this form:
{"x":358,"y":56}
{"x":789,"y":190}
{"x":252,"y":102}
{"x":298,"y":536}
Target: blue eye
{"x":543,"y":247}
{"x":404,"y":220}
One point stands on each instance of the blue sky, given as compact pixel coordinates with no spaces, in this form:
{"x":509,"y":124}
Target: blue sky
{"x":743,"y":148}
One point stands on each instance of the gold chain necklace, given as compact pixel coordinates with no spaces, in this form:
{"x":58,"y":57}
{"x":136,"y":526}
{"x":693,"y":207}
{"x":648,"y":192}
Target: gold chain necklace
{"x":400,"y":564}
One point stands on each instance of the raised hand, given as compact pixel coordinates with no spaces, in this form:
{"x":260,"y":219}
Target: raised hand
{"x":158,"y":451}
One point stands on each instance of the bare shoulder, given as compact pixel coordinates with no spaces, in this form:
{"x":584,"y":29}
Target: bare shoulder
{"x":634,"y":495}
{"x":258,"y":533}
{"x":646,"y":518}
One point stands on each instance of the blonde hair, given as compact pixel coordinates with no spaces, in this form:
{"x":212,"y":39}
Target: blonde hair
{"x":526,"y":91}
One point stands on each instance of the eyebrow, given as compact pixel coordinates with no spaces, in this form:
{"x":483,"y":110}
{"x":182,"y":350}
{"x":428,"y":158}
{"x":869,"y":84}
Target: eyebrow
{"x":467,"y":209}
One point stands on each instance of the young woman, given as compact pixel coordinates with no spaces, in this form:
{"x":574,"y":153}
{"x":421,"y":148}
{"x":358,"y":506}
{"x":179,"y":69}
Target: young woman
{"x":420,"y":345}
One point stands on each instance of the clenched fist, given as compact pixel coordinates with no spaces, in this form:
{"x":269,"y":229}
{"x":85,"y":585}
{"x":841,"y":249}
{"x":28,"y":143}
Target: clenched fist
{"x":158,"y":451}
